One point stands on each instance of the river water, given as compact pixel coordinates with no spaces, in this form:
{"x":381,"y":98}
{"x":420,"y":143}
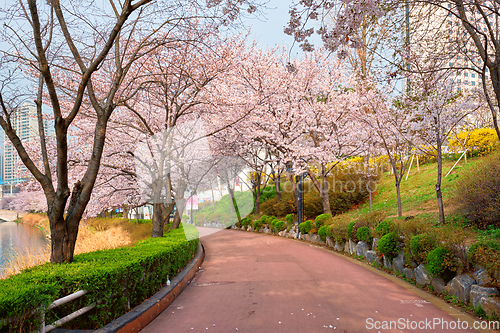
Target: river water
{"x":19,"y":238}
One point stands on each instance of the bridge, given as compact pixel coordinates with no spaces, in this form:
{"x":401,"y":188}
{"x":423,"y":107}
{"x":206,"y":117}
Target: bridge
{"x":9,"y":215}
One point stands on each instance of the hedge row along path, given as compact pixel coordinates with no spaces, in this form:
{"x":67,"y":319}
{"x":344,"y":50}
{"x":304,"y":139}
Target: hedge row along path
{"x":251,"y":282}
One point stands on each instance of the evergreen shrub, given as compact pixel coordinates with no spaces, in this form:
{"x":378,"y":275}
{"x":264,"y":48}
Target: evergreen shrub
{"x":305,"y":227}
{"x":389,"y":245}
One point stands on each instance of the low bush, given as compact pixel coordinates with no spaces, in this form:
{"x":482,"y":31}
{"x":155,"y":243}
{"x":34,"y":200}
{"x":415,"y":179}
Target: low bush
{"x":116,"y":279}
{"x":256,"y":225}
{"x":280,"y":226}
{"x":272,"y":224}
{"x":320,"y":219}
{"x":421,"y":245}
{"x":246,"y":222}
{"x":324,"y":232}
{"x":383,"y":228}
{"x":144,"y":221}
{"x":389,"y":245}
{"x":486,"y":253}
{"x":364,"y":235}
{"x":264,"y":219}
{"x":371,"y":219}
{"x":290,"y":219}
{"x":305,"y":227}
{"x":269,"y":192}
{"x":440,"y":262}
{"x":338,"y":230}
{"x":477,"y":193}
{"x":350,"y":229}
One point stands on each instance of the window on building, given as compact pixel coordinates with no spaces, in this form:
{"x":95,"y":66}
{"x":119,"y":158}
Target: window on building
{"x":473,"y":83}
{"x":473,"y":75}
{"x":459,"y":81}
{"x":466,"y":74}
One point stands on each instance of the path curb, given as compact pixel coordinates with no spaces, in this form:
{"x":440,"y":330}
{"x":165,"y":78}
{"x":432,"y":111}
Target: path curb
{"x":137,"y":318}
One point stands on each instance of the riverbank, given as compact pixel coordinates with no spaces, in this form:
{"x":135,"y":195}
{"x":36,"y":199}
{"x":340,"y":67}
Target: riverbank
{"x":93,"y":235}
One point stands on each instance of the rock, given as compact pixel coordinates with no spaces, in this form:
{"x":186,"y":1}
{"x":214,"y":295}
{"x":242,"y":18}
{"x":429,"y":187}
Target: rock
{"x":438,"y":284}
{"x":422,"y":275}
{"x":314,"y":238}
{"x":346,"y":247}
{"x":352,"y":247}
{"x":303,"y":237}
{"x":477,"y":292}
{"x":481,"y":276}
{"x":263,"y":230}
{"x":491,"y":305}
{"x":242,"y":228}
{"x":409,"y":273}
{"x":250,"y":229}
{"x":281,"y":233}
{"x":387,"y":263}
{"x":375,"y":244}
{"x":339,"y":247}
{"x":361,"y":249}
{"x":398,"y":263}
{"x":372,"y":257}
{"x":460,"y":287}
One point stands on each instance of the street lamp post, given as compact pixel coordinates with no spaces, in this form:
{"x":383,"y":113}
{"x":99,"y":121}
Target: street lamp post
{"x":193,"y":193}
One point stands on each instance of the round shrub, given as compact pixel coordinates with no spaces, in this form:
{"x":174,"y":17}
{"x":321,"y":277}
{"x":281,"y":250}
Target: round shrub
{"x":440,"y":262}
{"x":320,"y":220}
{"x":280,"y":226}
{"x":388,"y":245}
{"x":421,"y":245}
{"x":246,"y":222}
{"x":324,"y":232}
{"x":339,"y":231}
{"x":486,"y":253}
{"x":383,"y":228}
{"x":305,"y":227}
{"x":350,"y":228}
{"x":289,"y":218}
{"x":265,"y":219}
{"x":256,"y":225}
{"x":364,"y":235}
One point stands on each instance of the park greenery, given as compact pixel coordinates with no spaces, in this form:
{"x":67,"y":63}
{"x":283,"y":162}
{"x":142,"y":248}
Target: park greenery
{"x":150,"y":103}
{"x":116,"y":280}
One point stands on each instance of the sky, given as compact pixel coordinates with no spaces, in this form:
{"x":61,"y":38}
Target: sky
{"x":268,"y":28}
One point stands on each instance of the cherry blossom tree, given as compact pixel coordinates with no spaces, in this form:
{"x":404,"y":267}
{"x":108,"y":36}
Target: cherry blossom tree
{"x":434,"y":110}
{"x":68,"y":45}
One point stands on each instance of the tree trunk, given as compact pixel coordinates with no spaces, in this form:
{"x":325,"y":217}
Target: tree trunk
{"x":157,"y":220}
{"x":234,"y":206}
{"x":277,"y":183}
{"x":322,"y":189}
{"x":495,"y":82}
{"x":177,"y":220}
{"x":180,"y":202}
{"x":439,"y":194}
{"x":63,"y":233}
{"x":398,"y":194}
{"x":325,"y":198}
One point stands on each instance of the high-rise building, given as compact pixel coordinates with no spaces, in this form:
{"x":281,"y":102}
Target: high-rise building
{"x":24,"y":122}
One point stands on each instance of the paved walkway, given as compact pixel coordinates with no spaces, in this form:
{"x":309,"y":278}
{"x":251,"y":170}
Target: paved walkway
{"x":251,"y":282}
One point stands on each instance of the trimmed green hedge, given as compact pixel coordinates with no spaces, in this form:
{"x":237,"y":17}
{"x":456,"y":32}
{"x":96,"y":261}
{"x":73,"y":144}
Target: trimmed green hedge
{"x":305,"y":227}
{"x":116,"y":280}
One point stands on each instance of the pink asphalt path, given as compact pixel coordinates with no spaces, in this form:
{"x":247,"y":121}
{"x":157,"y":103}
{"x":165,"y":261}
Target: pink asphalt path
{"x":251,"y":282}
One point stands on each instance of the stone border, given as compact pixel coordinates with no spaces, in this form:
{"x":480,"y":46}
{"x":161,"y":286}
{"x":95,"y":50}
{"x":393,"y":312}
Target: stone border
{"x":137,"y":318}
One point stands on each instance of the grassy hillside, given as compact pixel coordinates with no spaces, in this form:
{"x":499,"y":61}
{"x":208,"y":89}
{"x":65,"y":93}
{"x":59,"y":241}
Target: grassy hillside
{"x":418,"y":193}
